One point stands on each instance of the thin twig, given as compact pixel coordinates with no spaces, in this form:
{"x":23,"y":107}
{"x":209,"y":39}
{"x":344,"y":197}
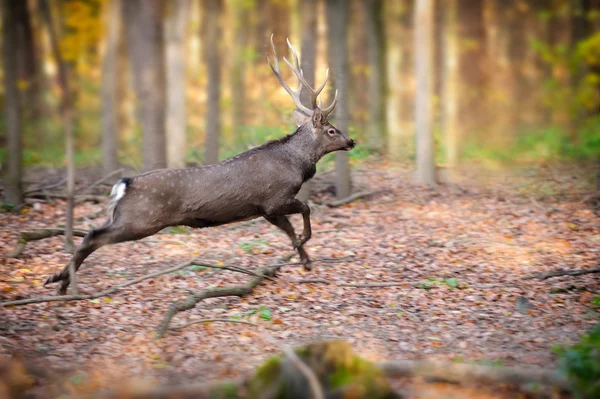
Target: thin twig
{"x":557,"y":273}
{"x":48,"y":187}
{"x":100,"y":181}
{"x":99,"y":294}
{"x":211,"y":321}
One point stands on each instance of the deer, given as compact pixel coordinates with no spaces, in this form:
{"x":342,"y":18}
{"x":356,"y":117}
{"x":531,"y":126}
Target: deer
{"x":261,"y":182}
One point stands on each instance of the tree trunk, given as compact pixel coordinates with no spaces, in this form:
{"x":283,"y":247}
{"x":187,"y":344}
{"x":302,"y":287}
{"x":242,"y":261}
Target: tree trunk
{"x":424,"y":81}
{"x":12,"y":105}
{"x":308,"y":21}
{"x":472,"y":67}
{"x":376,"y":50}
{"x":212,"y":35}
{"x":175,"y":28}
{"x":451,"y":80}
{"x":145,"y":44}
{"x":581,"y":29}
{"x":110,"y":99}
{"x":238,"y":76}
{"x":337,"y":15}
{"x":28,"y":62}
{"x":67,"y":116}
{"x":400,"y":70}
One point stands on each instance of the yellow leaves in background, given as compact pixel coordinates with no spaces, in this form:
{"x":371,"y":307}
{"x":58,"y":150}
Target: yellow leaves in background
{"x":83,"y":30}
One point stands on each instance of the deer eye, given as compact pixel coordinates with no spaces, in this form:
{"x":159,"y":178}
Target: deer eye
{"x":331,"y":132}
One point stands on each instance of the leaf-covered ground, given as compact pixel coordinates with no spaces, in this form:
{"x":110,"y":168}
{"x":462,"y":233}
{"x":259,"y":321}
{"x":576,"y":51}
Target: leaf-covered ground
{"x":461,"y":254}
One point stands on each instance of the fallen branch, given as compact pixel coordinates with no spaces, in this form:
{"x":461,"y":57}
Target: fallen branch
{"x":35,"y":235}
{"x":78,"y":198}
{"x":48,"y":187}
{"x":354,"y":197}
{"x":181,"y":327}
{"x":192,"y":300}
{"x":101,"y":180}
{"x":99,"y":294}
{"x":557,"y":273}
{"x":468,"y":373}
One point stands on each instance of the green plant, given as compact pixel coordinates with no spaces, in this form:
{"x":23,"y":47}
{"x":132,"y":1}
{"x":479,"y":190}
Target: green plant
{"x":251,"y":245}
{"x":581,"y":364}
{"x":432,"y":282}
{"x":263,"y":313}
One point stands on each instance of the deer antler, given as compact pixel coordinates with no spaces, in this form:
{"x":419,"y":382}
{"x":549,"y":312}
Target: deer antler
{"x":314,"y":93}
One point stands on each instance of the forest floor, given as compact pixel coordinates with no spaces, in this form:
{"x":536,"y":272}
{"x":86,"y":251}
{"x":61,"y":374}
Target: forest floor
{"x":460,"y":252}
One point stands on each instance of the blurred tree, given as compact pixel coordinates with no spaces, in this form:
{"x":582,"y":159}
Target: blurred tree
{"x":12,"y":104}
{"x":110,"y":82}
{"x":212,"y":36}
{"x":394,"y":60}
{"x":308,"y":28}
{"x":359,"y":70}
{"x":376,"y":50}
{"x":240,"y":25}
{"x":176,"y":22}
{"x":28,"y":63}
{"x":145,"y":42}
{"x":450,"y":98}
{"x":424,"y":19}
{"x":337,"y":51}
{"x":581,"y":30}
{"x":472,"y":66}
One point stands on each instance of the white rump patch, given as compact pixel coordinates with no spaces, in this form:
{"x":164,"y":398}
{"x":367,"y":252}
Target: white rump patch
{"x":117,"y":192}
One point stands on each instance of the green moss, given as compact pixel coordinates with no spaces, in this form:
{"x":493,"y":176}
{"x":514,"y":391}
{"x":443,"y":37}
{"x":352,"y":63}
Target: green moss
{"x":225,"y":391}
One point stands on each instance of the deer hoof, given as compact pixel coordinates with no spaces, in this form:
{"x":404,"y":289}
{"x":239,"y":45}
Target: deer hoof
{"x":307,"y":266}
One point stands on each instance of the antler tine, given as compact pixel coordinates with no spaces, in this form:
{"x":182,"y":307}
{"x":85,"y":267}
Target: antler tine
{"x":328,"y":110}
{"x":314,"y":93}
{"x":294,"y":94}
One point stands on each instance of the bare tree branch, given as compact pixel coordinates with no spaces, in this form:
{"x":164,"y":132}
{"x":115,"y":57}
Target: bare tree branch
{"x":468,"y":373}
{"x":181,"y":327}
{"x":557,"y":273}
{"x":35,"y":235}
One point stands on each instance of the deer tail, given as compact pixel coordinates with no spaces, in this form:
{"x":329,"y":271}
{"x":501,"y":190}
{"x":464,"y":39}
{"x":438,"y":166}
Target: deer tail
{"x":117,"y":192}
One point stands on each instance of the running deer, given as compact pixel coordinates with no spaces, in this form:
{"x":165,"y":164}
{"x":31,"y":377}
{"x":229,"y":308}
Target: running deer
{"x":261,"y":182}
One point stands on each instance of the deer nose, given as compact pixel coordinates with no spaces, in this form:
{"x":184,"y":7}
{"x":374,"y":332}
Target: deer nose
{"x":351,"y":144}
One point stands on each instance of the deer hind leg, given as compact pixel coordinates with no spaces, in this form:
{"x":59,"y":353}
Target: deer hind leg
{"x":284,"y":224}
{"x":111,"y":233}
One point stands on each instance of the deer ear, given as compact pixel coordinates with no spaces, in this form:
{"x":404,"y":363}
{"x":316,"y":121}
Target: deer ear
{"x":300,"y":118}
{"x":318,"y":118}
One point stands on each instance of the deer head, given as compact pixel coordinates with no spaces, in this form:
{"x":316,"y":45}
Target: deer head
{"x":326,"y":136}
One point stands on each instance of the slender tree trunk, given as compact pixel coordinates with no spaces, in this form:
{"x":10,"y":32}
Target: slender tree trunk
{"x":581,"y":29}
{"x":424,"y":68}
{"x":212,"y":26}
{"x":473,"y":67}
{"x":376,"y":50}
{"x":394,"y":77}
{"x":238,"y":75}
{"x":175,"y":28}
{"x":67,"y":114}
{"x":451,"y":126}
{"x":146,"y":44}
{"x":359,"y":59}
{"x":12,"y":180}
{"x":28,"y":62}
{"x":308,"y":21}
{"x":110,"y":99}
{"x":337,"y":15}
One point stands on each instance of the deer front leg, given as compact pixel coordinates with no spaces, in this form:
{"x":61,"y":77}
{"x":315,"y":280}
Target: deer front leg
{"x":291,"y":207}
{"x":284,"y":224}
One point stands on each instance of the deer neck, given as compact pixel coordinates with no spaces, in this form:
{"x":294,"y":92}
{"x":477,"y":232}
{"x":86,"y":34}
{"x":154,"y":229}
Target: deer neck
{"x":303,"y":148}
